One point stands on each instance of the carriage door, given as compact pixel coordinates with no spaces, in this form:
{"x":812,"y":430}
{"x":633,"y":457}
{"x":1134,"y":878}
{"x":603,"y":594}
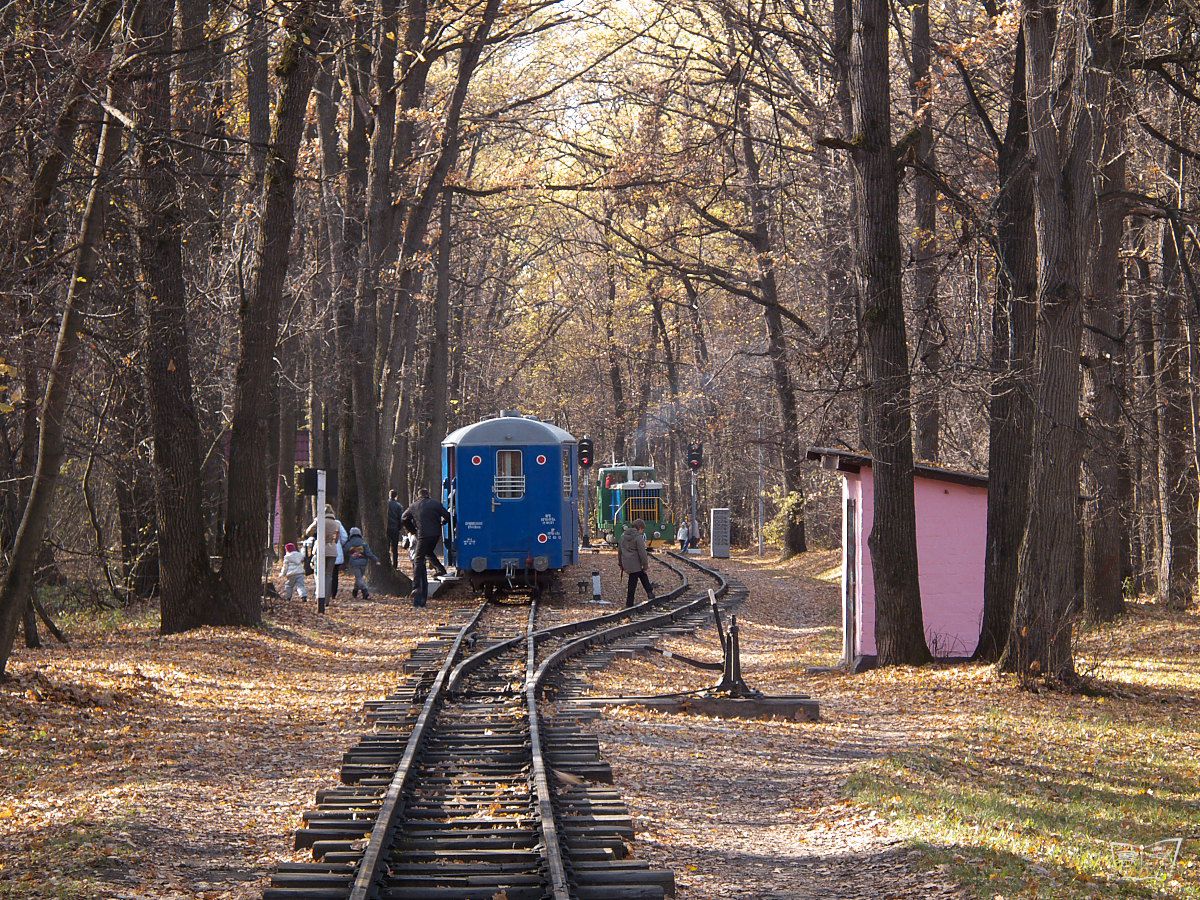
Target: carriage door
{"x":450,"y":501}
{"x":509,"y":528}
{"x":570,"y":539}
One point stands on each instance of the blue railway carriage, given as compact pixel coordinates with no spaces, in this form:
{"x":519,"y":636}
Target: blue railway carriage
{"x":511,"y":486}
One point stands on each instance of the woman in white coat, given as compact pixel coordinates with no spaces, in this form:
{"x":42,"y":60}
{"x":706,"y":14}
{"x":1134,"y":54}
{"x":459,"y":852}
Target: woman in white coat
{"x":335,"y":536}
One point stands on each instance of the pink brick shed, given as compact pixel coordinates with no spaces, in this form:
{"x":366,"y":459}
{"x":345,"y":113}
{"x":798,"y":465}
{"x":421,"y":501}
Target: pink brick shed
{"x":951,"y":534}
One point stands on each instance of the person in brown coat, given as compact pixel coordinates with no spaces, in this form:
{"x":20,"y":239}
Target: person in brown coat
{"x":634,"y":559}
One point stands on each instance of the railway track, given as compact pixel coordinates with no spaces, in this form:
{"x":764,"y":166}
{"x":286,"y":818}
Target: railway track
{"x":467,"y":790}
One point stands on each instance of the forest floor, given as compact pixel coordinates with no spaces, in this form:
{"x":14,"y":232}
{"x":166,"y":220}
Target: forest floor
{"x":134,"y":765}
{"x":938,"y":781}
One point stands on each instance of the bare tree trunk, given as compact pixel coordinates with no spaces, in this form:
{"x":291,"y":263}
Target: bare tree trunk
{"x":416,"y":228}
{"x":791,"y":458}
{"x":134,"y":487}
{"x":189,"y":596}
{"x":1103,"y":525}
{"x":847,"y":337}
{"x":1010,"y":410}
{"x":289,"y":415}
{"x":899,"y":625}
{"x":925,"y":267}
{"x":16,"y":589}
{"x":1176,"y":475}
{"x":342,"y":227}
{"x":1146,"y":446}
{"x":245,"y":522}
{"x":437,"y":365}
{"x":1040,"y":642}
{"x":364,"y":332}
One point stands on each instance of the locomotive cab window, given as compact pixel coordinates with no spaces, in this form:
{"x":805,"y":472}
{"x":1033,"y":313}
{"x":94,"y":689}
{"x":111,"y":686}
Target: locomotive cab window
{"x":510,"y":475}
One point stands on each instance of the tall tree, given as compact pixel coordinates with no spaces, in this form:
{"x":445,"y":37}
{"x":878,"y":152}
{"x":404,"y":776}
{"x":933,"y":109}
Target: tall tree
{"x":899,"y":624}
{"x":1060,"y":131}
{"x":1177,"y":540}
{"x":760,"y":239}
{"x":924,"y":244}
{"x":245,"y":540}
{"x":16,"y":589}
{"x":189,"y":596}
{"x":1010,"y":402}
{"x":1104,"y":376}
{"x":437,"y":362}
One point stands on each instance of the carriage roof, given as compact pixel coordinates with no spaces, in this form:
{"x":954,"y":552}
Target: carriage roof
{"x":508,"y":428}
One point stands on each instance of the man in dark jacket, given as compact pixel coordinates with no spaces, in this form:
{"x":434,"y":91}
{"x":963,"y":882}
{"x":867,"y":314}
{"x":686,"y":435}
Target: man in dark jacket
{"x":425,"y":519}
{"x":634,"y":559}
{"x":395,"y":513}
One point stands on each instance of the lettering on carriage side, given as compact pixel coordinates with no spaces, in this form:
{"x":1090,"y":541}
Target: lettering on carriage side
{"x":468,"y":542}
{"x":548,"y":519}
{"x":472,"y":525}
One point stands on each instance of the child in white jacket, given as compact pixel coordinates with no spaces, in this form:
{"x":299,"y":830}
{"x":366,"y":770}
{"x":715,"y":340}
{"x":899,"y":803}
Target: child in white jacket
{"x":292,"y":571}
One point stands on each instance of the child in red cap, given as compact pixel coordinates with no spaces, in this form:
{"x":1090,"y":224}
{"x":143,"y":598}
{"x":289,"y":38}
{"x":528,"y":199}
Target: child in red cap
{"x":292,"y":572}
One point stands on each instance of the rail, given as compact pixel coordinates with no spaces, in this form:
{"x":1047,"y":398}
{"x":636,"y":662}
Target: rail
{"x":556,"y":870}
{"x":371,"y":868}
{"x":472,"y":662}
{"x":367,"y":878}
{"x":574,"y":648}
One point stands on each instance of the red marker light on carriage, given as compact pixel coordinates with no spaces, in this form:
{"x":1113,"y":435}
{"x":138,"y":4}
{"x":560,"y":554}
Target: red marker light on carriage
{"x":542,"y":538}
{"x":541,"y":459}
{"x":476,"y":460}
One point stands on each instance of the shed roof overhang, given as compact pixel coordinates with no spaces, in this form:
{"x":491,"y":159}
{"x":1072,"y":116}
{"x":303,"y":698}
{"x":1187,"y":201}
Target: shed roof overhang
{"x":850,"y":462}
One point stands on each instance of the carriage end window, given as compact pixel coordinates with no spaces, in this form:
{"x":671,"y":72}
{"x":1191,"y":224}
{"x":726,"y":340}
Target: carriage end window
{"x":510,"y":475}
{"x":566,"y":471}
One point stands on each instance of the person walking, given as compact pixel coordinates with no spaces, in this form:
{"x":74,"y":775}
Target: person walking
{"x":635,"y":560}
{"x":395,"y":517}
{"x":684,"y":535}
{"x":335,"y":536}
{"x":358,"y":553}
{"x":291,"y":570}
{"x":425,"y":519}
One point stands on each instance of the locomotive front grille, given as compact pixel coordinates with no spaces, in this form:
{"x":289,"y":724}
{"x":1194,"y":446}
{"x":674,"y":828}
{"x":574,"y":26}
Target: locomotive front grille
{"x":642,"y":506}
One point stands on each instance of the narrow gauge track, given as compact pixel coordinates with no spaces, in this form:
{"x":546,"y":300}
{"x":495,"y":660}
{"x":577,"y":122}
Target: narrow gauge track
{"x":476,"y":796}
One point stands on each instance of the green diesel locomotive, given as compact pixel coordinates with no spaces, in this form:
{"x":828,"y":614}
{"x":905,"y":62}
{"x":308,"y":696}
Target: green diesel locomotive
{"x":625,"y":493}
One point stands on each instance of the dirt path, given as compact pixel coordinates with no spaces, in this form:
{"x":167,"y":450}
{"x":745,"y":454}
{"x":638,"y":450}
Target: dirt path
{"x":139,"y":766}
{"x":758,"y":809}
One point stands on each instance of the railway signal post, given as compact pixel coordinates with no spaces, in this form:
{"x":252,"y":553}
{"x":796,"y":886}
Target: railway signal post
{"x":695,"y":459}
{"x":585,"y":463}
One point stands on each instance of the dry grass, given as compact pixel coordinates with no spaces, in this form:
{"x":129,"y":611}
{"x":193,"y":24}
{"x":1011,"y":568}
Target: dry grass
{"x":1036,"y":795}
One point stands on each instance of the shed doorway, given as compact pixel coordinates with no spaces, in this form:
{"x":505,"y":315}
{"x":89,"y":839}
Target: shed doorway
{"x":850,"y":584}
